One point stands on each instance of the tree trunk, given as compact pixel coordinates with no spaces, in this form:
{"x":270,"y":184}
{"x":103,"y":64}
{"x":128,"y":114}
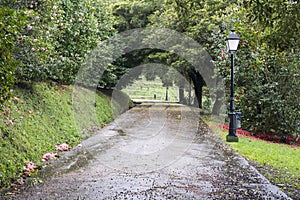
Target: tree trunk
{"x":219,"y":101}
{"x":217,"y":105}
{"x":198,"y":96}
{"x":181,"y":95}
{"x":181,"y":84}
{"x":190,"y":93}
{"x":198,"y":82}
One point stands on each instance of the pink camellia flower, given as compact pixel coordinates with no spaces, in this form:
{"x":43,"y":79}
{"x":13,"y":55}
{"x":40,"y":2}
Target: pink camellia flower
{"x":32,"y":49}
{"x":223,"y":50}
{"x":21,"y":182}
{"x":223,"y":57}
{"x":43,"y":48}
{"x":29,"y":167}
{"x":16,"y":99}
{"x":8,"y":111}
{"x":35,"y":40}
{"x":63,"y":147}
{"x":10,"y":122}
{"x":48,"y":156}
{"x":240,"y":92}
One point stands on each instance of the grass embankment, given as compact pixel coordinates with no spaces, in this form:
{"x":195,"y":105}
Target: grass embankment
{"x":39,"y":117}
{"x":278,"y":162}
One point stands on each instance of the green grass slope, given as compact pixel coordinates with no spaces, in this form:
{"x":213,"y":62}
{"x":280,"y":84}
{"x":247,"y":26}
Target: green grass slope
{"x":278,"y":162}
{"x":41,"y":116}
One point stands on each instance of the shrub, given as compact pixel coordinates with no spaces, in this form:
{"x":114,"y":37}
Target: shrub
{"x":266,"y":84}
{"x":10,"y":21}
{"x":57,"y":37}
{"x":270,"y":102}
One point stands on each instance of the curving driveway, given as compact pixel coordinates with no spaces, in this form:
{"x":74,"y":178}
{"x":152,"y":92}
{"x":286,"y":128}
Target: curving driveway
{"x":153,"y":151}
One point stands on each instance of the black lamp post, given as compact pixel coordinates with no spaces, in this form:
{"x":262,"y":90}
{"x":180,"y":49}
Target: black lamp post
{"x":232,"y":43}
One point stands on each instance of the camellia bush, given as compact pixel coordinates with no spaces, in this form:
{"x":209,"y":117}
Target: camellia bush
{"x":10,"y":21}
{"x":269,"y":93}
{"x":36,"y":41}
{"x":266,"y":84}
{"x":48,"y":40}
{"x":80,"y":26}
{"x":58,"y":36}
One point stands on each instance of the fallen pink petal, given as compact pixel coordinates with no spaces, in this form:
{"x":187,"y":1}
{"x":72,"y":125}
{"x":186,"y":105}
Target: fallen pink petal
{"x":63,"y":147}
{"x":21,"y":182}
{"x":48,"y":156}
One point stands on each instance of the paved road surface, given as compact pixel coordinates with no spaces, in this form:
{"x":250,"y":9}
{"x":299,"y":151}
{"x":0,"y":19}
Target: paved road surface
{"x":153,"y":151}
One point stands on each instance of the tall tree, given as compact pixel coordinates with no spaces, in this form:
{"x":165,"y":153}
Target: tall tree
{"x":278,"y":20}
{"x":197,"y":19}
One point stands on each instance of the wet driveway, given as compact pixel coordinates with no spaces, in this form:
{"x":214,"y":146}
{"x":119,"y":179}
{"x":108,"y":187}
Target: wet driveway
{"x":153,"y":151}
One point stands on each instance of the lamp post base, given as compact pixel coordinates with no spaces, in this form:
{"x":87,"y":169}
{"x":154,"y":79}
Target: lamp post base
{"x":231,"y":138}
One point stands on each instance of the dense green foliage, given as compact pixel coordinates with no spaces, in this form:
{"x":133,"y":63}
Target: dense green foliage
{"x":278,"y":22}
{"x":39,"y":117}
{"x":49,"y":39}
{"x":268,"y":77}
{"x":9,"y":27}
{"x":267,"y":62}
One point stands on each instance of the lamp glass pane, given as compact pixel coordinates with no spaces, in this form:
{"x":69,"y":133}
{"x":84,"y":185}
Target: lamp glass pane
{"x":233,"y":45}
{"x":227,"y":45}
